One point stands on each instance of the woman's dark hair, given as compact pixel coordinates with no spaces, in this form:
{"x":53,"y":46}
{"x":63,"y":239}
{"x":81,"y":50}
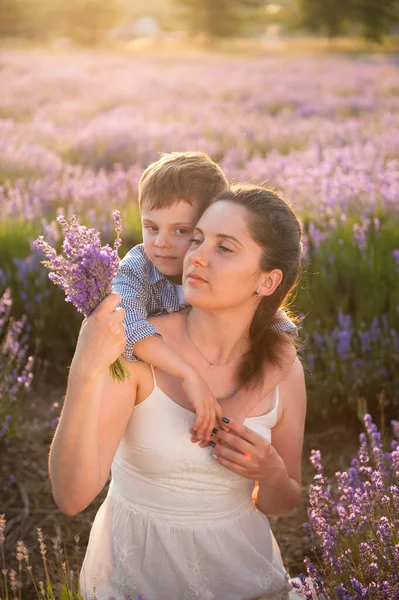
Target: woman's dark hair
{"x":275,"y":227}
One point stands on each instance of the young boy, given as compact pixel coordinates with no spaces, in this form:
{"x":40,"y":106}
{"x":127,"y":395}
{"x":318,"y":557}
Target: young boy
{"x":174,"y":191}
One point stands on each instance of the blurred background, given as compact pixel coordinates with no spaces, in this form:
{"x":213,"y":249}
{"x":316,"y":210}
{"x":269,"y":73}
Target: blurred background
{"x":301,"y":95}
{"x":93,"y":22}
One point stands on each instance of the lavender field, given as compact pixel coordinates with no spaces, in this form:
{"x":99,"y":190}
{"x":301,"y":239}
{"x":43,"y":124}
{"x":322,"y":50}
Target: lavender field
{"x":77,"y":130}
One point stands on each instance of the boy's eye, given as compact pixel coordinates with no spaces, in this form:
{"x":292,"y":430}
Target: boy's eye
{"x":182,"y":230}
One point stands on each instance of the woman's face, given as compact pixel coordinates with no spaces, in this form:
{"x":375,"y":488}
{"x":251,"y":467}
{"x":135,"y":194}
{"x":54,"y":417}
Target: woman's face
{"x":221,"y":267}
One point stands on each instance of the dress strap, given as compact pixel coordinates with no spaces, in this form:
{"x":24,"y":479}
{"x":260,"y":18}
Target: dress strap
{"x":153,"y":376}
{"x":277,"y":396}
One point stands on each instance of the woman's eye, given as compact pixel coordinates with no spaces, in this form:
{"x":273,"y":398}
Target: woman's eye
{"x":151,"y":227}
{"x":224,"y":249}
{"x":195,"y":241}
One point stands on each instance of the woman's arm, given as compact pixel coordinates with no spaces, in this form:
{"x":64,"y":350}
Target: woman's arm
{"x":279,"y":495}
{"x":94,"y":414}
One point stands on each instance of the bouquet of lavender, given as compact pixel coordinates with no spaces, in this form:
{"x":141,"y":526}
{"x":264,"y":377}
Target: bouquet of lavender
{"x":85,"y":271}
{"x":355,"y":531}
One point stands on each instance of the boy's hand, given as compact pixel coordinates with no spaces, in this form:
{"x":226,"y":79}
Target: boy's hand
{"x":208,"y":410}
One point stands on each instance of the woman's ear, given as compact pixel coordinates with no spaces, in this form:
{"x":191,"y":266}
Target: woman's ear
{"x":270,"y":282}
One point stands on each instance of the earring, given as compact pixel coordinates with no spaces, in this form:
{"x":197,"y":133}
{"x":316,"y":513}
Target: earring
{"x":256,"y":293}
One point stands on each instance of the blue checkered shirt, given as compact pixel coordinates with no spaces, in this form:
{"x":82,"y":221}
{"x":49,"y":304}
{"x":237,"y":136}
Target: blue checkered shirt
{"x":146,"y":292}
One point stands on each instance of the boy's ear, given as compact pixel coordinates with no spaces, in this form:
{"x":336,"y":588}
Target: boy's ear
{"x":270,"y":282}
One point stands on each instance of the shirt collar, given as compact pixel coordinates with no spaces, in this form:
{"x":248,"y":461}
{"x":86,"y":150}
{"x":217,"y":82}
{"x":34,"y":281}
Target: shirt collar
{"x":155,"y":275}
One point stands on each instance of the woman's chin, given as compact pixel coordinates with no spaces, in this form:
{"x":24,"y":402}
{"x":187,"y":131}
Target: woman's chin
{"x":197,"y":298}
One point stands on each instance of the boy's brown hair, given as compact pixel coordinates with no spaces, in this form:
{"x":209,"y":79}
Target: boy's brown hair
{"x":190,"y":176}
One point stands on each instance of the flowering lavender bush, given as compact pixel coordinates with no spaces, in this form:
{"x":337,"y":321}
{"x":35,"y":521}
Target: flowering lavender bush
{"x":349,"y":363}
{"x":85,"y":271}
{"x":354,"y":524}
{"x":15,"y":366}
{"x":351,"y":268}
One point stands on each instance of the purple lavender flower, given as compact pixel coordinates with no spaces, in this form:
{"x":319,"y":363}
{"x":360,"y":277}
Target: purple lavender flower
{"x":354,"y":528}
{"x":395,"y":254}
{"x":15,"y":365}
{"x":85,"y":270}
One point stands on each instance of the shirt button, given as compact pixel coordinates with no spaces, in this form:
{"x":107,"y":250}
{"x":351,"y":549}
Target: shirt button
{"x":170,"y":310}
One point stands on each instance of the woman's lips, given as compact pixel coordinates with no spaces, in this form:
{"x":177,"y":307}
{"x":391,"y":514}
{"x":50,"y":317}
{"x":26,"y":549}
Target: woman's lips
{"x":194,"y":279}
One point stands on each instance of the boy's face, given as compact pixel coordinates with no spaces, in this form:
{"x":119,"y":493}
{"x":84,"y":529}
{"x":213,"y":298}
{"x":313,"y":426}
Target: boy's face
{"x":167,"y":234}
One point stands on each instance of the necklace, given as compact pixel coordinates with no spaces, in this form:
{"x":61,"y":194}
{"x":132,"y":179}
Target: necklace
{"x":210,"y":363}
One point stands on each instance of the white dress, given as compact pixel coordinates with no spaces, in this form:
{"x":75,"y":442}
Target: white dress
{"x":175,"y":524}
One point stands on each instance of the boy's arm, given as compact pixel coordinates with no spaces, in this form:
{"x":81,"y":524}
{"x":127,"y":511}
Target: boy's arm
{"x":156,"y":352}
{"x":130,"y":283}
{"x":138,"y":328}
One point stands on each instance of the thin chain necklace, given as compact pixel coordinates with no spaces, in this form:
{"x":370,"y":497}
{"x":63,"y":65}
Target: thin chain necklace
{"x":210,"y":363}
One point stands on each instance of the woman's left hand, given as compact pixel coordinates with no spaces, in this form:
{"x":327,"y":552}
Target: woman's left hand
{"x":248,"y":454}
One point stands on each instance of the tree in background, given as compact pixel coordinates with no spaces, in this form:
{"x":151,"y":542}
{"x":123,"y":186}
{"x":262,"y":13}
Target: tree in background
{"x":217,"y":18}
{"x":324,"y":16}
{"x":375,"y":18}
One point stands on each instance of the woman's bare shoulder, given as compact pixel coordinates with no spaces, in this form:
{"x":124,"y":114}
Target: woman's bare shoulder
{"x":292,"y":386}
{"x":137,"y":370}
{"x":294,"y":373}
{"x":274,"y":374}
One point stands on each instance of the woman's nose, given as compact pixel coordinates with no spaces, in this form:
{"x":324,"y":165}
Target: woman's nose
{"x":199,"y":256}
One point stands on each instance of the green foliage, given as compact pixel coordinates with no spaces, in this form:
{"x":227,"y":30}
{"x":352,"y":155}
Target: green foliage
{"x":356,"y":278}
{"x":350,"y":298}
{"x":375,"y":18}
{"x":217,"y":18}
{"x":326,"y":16}
{"x":352,"y":371}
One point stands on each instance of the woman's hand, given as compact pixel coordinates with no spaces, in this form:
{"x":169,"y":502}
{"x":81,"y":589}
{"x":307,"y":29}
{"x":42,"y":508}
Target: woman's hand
{"x":101,"y":338}
{"x":247,"y":453}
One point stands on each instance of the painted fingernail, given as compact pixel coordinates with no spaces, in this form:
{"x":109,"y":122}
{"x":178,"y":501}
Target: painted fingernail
{"x":225,"y":420}
{"x":213,"y":444}
{"x":215,"y":430}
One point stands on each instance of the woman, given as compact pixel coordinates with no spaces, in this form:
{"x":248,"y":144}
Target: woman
{"x":179,"y":521}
